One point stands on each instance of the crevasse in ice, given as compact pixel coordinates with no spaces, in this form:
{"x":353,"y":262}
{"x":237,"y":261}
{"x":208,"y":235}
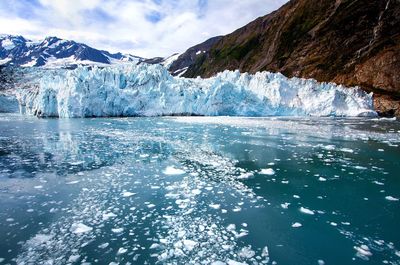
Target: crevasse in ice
{"x":149,"y":90}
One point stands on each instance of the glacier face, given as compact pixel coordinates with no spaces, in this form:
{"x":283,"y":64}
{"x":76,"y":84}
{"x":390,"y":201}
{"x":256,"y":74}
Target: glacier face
{"x":8,"y":104}
{"x":149,"y":90}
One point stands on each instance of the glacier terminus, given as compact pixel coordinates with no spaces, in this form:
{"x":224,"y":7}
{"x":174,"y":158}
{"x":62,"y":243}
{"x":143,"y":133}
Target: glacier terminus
{"x":149,"y":90}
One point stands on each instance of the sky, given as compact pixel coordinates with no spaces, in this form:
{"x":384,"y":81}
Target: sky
{"x":146,"y":28}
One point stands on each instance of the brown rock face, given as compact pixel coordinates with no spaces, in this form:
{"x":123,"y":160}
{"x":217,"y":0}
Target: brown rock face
{"x":351,"y":42}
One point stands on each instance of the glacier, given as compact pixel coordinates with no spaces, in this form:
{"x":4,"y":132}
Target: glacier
{"x":8,"y":104}
{"x":149,"y":90}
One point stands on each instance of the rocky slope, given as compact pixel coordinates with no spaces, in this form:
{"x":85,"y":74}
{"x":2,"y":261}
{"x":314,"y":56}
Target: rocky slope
{"x":351,"y":42}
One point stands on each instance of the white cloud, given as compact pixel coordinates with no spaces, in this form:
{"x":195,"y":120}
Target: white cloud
{"x":125,"y":25}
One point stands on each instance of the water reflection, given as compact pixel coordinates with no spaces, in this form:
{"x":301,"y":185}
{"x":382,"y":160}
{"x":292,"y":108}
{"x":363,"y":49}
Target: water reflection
{"x":191,"y":190}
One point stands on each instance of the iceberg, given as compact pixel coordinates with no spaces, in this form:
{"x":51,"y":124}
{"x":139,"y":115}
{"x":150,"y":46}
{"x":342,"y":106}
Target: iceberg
{"x":149,"y":90}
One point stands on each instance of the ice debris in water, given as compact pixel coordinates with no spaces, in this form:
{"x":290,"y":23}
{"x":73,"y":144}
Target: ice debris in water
{"x":306,"y":211}
{"x":170,"y":170}
{"x":391,"y":198}
{"x":267,"y":171}
{"x":149,"y":90}
{"x":127,"y":194}
{"x":363,"y":252}
{"x":347,"y":150}
{"x":79,"y":228}
{"x":296,"y":225}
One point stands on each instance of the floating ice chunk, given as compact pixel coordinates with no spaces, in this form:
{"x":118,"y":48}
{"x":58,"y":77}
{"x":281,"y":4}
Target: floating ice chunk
{"x":333,"y":224}
{"x":363,"y":252}
{"x":38,"y":187}
{"x":170,"y":170}
{"x":218,"y":263}
{"x":321,"y":179}
{"x":10,"y":220}
{"x":215,"y":206}
{"x":181,"y":233}
{"x":329,"y":147}
{"x":285,"y":205}
{"x":360,"y":168}
{"x":378,"y":183}
{"x":72,"y":182}
{"x":321,"y":262}
{"x":347,"y":150}
{"x":80,"y":228}
{"x":154,"y":246}
{"x":74,"y":258}
{"x":41,"y":239}
{"x":103,"y":246}
{"x":196,"y":192}
{"x":189,"y":244}
{"x":117,"y":230}
{"x":233,"y":262}
{"x":182,"y":203}
{"x":122,"y":251}
{"x":296,"y":225}
{"x":246,"y":252}
{"x":127,"y":194}
{"x":231,"y":227}
{"x":391,"y":198}
{"x":265,"y":252}
{"x":246,"y":175}
{"x":237,"y":209}
{"x":267,"y":171}
{"x":107,"y":216}
{"x":306,"y":211}
{"x":163,"y":241}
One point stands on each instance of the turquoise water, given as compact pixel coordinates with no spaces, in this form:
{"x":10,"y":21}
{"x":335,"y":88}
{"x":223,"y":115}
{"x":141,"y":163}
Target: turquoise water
{"x":197,"y":190}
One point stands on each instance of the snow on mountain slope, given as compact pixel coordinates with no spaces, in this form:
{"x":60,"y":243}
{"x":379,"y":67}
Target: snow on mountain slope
{"x":53,"y":52}
{"x":149,"y":90}
{"x":170,"y":60}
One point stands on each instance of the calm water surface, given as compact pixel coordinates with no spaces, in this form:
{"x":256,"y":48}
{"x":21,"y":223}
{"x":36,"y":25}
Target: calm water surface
{"x":195,"y":190}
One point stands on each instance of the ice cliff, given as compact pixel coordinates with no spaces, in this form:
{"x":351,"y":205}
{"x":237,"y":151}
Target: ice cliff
{"x":149,"y":90}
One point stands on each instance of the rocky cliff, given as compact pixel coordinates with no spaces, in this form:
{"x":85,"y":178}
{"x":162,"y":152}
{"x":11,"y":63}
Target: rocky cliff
{"x":351,"y":42}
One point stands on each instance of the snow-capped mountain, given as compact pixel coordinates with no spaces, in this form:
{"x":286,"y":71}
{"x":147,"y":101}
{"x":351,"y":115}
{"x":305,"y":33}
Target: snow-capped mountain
{"x":53,"y":52}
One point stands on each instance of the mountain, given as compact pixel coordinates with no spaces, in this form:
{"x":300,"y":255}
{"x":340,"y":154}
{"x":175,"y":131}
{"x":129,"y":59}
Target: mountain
{"x":53,"y":52}
{"x":178,"y":64}
{"x":188,"y":58}
{"x":351,"y":42}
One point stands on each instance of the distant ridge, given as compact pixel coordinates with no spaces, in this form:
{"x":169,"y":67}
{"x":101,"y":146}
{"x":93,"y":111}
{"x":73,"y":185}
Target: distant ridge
{"x":53,"y":52}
